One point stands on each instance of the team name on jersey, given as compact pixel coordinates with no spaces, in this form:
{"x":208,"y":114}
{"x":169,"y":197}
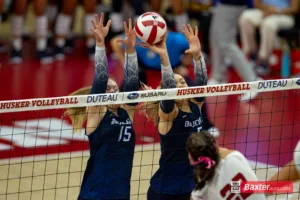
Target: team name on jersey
{"x":194,"y":123}
{"x":114,"y":121}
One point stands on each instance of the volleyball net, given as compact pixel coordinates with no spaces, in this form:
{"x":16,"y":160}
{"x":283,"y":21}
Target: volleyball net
{"x":41,"y":157}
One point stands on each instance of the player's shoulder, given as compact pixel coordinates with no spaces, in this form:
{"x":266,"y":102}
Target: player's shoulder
{"x":233,"y":156}
{"x":231,"y":161}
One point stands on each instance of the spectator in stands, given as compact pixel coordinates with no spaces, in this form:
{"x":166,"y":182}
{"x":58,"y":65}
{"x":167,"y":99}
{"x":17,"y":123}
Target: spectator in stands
{"x":180,"y":16}
{"x":201,"y":10}
{"x":1,"y":8}
{"x":63,"y":26}
{"x":269,"y":16}
{"x":116,"y":15}
{"x":41,"y":30}
{"x":223,"y":44}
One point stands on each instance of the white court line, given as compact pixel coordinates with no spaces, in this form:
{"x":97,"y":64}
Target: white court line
{"x":257,"y":166}
{"x":138,"y":148}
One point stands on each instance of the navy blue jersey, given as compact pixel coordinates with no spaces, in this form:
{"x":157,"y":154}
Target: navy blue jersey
{"x":175,"y":174}
{"x":108,"y":171}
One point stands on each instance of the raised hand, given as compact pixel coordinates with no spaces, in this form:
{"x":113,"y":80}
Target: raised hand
{"x":159,"y":48}
{"x":193,"y":40}
{"x":99,"y":30}
{"x":130,"y":37}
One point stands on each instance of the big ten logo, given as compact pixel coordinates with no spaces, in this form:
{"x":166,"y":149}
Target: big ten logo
{"x":232,"y":191}
{"x":235,"y":187}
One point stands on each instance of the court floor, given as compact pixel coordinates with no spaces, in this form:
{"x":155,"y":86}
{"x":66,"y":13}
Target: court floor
{"x":40,"y":158}
{"x":58,"y":177}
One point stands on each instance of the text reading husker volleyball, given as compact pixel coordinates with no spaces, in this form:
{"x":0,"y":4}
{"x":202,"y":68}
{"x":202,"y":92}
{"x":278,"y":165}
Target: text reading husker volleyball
{"x":39,"y":103}
{"x":213,"y":89}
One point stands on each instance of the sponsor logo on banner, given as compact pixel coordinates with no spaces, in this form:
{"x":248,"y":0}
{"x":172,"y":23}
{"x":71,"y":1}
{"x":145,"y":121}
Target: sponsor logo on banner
{"x":39,"y":103}
{"x":272,"y":84}
{"x":153,"y":94}
{"x":132,"y":96}
{"x":266,"y":187}
{"x":214,"y":89}
{"x":102,"y":98}
{"x":298,"y":82}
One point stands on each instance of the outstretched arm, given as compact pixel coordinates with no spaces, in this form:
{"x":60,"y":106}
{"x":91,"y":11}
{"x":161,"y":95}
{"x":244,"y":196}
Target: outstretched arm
{"x":168,"y":80}
{"x":95,"y":114}
{"x":200,"y":73}
{"x":101,"y":66}
{"x":131,"y":75}
{"x":168,"y":110}
{"x":200,"y":70}
{"x":131,"y":70}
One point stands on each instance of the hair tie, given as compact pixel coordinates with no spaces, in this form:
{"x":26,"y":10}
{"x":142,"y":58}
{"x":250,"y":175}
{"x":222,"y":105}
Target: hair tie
{"x":209,"y":162}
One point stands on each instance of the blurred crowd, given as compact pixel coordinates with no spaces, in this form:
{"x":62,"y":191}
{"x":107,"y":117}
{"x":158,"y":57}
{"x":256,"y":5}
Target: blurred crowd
{"x":219,"y":21}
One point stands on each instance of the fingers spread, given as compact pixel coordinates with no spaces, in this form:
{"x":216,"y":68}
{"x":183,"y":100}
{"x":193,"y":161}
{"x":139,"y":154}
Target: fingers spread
{"x":130,"y":24}
{"x":97,"y":19}
{"x":119,"y":40}
{"x":191,"y":29}
{"x":196,"y":31}
{"x":144,"y":45}
{"x":108,"y":24}
{"x":101,"y":20}
{"x":185,"y":30}
{"x":125,"y":27}
{"x":92,"y":30}
{"x":187,"y":51}
{"x":93,"y":23}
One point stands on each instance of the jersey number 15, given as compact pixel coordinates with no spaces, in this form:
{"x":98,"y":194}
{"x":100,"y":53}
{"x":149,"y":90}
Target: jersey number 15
{"x":125,"y":133}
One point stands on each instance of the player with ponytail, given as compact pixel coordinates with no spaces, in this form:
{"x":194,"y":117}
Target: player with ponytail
{"x":215,"y":168}
{"x":176,"y":120}
{"x":109,"y":128}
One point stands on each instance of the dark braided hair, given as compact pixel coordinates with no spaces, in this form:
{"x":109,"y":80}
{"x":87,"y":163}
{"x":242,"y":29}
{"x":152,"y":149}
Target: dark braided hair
{"x":203,"y":144}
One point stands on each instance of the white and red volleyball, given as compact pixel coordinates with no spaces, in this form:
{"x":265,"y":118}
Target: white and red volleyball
{"x":150,"y":27}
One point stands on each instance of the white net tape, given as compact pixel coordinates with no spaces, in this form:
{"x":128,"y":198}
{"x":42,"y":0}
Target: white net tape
{"x":149,"y":95}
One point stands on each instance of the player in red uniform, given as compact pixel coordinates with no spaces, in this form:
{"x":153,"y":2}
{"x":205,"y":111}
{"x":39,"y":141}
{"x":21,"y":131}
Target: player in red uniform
{"x":216,"y":167}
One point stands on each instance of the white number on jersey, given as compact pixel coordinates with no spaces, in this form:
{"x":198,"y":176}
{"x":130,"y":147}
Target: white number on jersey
{"x":125,"y":134}
{"x":199,"y":129}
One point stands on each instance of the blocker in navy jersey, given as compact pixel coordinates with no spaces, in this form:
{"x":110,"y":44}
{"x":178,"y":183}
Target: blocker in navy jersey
{"x":175,"y":174}
{"x":111,"y":154}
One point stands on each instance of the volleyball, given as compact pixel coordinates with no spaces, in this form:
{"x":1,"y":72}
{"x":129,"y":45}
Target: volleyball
{"x":150,"y":27}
